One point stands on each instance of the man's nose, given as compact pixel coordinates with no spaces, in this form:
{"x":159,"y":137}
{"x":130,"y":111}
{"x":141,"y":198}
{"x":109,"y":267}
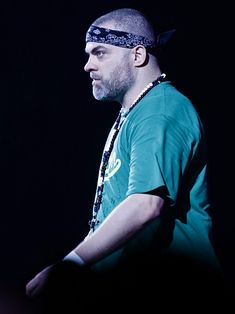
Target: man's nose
{"x":90,"y":65}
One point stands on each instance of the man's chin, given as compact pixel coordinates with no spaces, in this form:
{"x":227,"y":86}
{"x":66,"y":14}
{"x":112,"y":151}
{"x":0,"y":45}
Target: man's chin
{"x":101,"y":98}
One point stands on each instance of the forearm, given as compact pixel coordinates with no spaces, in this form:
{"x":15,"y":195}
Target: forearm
{"x":124,"y":221}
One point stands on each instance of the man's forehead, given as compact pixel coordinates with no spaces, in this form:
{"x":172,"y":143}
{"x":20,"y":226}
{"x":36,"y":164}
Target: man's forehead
{"x":91,"y":46}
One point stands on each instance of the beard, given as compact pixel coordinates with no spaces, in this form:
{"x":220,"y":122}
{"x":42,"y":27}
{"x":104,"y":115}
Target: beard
{"x":114,"y":88}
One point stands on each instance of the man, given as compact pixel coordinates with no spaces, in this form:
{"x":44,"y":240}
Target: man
{"x":151,"y":221}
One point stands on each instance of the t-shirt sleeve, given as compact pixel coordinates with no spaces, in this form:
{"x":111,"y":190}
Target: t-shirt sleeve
{"x":160,"y":149}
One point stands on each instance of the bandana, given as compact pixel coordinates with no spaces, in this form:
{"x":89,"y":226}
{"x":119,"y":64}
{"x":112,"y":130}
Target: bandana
{"x":124,"y":39}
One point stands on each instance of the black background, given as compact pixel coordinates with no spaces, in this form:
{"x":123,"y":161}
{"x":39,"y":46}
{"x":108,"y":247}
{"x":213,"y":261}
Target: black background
{"x":52,"y":131}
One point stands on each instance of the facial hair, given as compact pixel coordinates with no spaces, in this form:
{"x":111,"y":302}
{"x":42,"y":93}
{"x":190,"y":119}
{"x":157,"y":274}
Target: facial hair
{"x":118,"y":83}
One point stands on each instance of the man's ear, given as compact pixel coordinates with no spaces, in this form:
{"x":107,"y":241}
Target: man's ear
{"x":140,"y":55}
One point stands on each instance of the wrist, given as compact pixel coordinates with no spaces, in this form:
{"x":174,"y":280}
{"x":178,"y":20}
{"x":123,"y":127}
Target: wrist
{"x":74,"y":257}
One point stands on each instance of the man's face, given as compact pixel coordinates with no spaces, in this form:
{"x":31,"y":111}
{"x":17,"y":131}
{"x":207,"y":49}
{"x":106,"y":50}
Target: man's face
{"x":110,"y":70}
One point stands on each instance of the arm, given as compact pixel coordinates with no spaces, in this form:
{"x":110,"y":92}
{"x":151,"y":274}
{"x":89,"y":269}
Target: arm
{"x":124,"y":221}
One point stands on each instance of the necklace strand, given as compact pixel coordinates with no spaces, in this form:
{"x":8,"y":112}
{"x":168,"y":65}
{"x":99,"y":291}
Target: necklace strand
{"x":105,"y":158}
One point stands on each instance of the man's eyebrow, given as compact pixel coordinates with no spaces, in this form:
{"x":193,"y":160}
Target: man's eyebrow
{"x":93,"y":51}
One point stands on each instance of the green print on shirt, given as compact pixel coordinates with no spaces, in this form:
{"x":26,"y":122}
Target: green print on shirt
{"x":113,"y":166}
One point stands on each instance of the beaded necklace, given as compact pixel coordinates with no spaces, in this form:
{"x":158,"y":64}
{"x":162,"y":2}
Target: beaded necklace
{"x":105,"y":158}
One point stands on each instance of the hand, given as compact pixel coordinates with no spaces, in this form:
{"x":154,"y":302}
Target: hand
{"x":36,"y":285}
{"x":58,"y":279}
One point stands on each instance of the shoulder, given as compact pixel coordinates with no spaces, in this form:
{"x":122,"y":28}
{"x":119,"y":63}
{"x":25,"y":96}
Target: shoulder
{"x":166,"y":108}
{"x":167,"y":97}
{"x":167,"y":101}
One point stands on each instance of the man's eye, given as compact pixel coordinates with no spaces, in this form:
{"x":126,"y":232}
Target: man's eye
{"x":99,"y":53}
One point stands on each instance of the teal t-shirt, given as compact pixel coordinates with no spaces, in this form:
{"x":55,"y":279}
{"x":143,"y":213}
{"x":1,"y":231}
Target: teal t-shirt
{"x":161,"y":148}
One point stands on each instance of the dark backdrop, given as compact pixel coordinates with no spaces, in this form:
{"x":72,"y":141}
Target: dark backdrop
{"x":52,"y":131}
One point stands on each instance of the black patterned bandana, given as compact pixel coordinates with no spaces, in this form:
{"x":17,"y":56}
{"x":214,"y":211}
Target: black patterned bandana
{"x":124,"y":39}
{"x":117,"y":38}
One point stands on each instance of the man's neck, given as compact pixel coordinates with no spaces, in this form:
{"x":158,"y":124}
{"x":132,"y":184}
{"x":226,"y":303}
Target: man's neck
{"x":136,"y":90}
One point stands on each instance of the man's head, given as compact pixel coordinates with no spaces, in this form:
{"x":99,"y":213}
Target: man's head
{"x":124,"y":28}
{"x":118,"y":44}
